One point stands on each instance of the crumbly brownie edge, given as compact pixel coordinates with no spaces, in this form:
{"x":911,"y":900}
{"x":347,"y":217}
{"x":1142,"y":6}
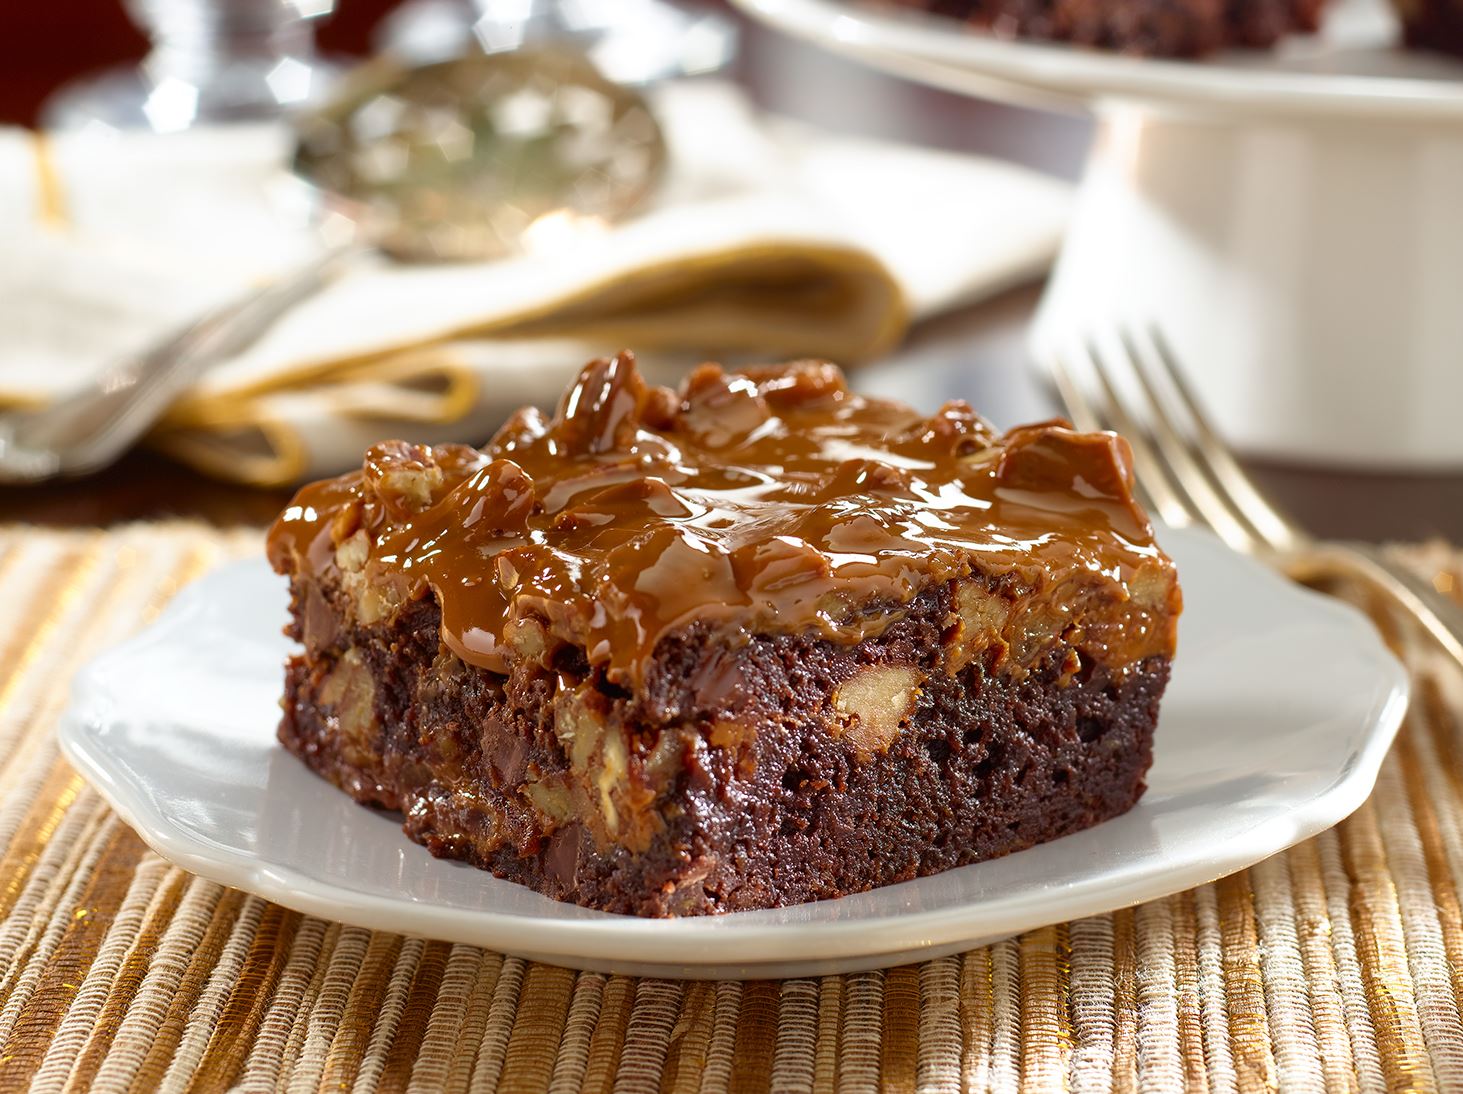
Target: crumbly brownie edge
{"x":785,"y":811}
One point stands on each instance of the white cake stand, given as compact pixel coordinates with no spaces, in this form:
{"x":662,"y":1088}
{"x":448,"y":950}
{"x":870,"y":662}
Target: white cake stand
{"x":1292,"y":219}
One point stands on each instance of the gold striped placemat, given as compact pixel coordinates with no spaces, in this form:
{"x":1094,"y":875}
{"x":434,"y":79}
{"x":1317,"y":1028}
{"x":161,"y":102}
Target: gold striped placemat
{"x":1337,"y":966}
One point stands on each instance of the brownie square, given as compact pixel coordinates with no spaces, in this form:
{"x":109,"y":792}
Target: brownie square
{"x":744,"y":644}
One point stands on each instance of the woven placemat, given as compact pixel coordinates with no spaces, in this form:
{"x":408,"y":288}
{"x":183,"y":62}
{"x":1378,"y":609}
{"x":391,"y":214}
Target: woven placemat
{"x":1337,"y":966}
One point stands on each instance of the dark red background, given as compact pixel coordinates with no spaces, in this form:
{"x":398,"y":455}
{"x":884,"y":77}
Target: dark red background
{"x":45,"y":42}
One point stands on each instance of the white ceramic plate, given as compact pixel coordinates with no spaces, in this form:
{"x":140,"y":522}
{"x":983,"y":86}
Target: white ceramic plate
{"x":1281,"y":707}
{"x":1352,"y":67}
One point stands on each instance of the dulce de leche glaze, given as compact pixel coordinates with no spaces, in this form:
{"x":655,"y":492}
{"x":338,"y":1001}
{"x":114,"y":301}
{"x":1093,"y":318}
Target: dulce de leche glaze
{"x":769,"y":501}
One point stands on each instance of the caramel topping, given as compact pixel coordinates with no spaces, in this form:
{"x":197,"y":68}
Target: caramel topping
{"x":767,"y":501}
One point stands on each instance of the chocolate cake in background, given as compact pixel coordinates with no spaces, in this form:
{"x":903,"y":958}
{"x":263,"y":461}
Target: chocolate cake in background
{"x":1149,"y":28}
{"x":748,"y":643}
{"x":1184,"y":28}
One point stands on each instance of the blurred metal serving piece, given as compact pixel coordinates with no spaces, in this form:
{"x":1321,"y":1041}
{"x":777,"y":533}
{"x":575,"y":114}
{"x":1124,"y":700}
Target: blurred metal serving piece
{"x":474,"y":158}
{"x":462,"y":158}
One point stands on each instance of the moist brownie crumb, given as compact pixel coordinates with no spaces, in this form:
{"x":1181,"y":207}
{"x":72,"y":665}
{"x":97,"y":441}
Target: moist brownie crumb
{"x":750,"y":643}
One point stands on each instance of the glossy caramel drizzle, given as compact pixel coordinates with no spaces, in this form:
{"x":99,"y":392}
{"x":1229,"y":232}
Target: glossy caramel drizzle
{"x":769,"y":501}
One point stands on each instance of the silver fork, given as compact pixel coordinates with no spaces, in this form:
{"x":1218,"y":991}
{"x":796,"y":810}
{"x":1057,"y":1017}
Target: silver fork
{"x":1130,"y":382}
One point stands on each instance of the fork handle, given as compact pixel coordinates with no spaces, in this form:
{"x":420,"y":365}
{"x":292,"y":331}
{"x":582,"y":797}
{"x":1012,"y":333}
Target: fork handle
{"x":1439,"y":615}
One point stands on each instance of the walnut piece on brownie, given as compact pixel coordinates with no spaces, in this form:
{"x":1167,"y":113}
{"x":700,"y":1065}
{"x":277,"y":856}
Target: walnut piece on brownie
{"x":748,"y":643}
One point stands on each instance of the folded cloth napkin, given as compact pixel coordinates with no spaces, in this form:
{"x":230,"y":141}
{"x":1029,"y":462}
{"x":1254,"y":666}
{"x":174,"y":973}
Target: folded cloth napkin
{"x":766,"y":240}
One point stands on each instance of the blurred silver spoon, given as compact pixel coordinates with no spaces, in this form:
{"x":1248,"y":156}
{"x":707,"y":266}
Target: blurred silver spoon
{"x":453,"y":161}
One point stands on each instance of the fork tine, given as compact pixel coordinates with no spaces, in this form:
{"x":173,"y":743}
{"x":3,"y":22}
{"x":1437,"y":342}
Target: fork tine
{"x":1440,"y":616}
{"x":1090,"y":400}
{"x":1145,"y":426}
{"x":1146,"y":404}
{"x":1084,"y":415}
{"x":1269,"y":525}
{"x":1081,"y":410}
{"x":1173,"y":462}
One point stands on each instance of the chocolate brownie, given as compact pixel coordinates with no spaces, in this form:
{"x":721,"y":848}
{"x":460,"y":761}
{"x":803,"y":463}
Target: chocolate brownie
{"x":1151,"y":28}
{"x":748,"y":643}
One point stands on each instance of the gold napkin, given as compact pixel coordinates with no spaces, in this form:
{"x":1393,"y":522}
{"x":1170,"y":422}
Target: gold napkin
{"x":766,"y":240}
